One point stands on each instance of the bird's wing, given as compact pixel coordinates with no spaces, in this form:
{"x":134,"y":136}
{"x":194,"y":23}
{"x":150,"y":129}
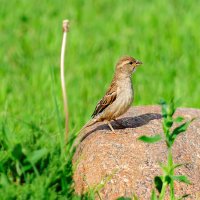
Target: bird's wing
{"x":107,"y":100}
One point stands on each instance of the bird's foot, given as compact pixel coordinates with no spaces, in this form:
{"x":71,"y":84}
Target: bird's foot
{"x":112,"y":129}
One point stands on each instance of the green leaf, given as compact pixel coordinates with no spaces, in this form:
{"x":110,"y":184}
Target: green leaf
{"x":153,"y":195}
{"x":178,"y":119}
{"x":36,"y":155}
{"x":165,"y":128}
{"x":177,"y":165}
{"x":168,"y":179}
{"x":150,"y":139}
{"x":164,"y":108}
{"x":18,"y":168}
{"x":183,"y":197}
{"x":180,"y":129}
{"x":158,"y":183}
{"x":181,"y":178}
{"x":169,"y":123}
{"x":26,"y":167}
{"x":7,"y":136}
{"x":171,"y":108}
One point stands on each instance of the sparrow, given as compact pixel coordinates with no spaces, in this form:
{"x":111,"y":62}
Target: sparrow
{"x":119,"y":96}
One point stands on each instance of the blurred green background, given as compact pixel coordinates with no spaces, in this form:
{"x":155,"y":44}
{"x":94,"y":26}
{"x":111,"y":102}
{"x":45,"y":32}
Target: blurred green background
{"x":164,"y":35}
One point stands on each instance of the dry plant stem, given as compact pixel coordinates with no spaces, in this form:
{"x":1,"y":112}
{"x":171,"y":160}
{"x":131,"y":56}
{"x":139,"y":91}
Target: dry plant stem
{"x":65,"y":27}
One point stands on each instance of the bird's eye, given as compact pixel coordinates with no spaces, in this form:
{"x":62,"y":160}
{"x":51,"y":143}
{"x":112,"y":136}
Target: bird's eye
{"x":131,"y":63}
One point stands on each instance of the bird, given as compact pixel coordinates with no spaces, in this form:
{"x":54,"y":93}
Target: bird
{"x":119,"y":96}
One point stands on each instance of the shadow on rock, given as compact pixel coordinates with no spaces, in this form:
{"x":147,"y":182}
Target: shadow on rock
{"x":126,"y":122}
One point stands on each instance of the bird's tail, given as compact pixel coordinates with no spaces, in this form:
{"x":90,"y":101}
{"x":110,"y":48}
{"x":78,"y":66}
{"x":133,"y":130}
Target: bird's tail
{"x":82,"y":132}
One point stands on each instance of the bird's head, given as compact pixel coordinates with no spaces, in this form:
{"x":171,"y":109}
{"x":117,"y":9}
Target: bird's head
{"x":127,"y":65}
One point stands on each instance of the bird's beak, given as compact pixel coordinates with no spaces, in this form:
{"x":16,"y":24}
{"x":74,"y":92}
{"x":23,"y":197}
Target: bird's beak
{"x":138,"y":62}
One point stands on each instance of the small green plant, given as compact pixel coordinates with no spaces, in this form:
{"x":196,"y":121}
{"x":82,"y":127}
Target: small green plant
{"x":169,"y":136}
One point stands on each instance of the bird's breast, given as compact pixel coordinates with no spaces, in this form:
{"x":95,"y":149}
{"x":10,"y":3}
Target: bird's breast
{"x":125,"y":90}
{"x":124,"y":97}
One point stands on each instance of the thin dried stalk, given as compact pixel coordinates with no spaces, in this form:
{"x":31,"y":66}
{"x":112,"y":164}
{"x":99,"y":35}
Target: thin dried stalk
{"x":62,"y":76}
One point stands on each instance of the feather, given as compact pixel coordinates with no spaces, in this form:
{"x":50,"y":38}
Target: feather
{"x":107,"y":100}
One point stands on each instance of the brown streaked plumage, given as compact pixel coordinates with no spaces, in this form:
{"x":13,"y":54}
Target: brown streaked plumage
{"x":119,"y":95}
{"x":108,"y":99}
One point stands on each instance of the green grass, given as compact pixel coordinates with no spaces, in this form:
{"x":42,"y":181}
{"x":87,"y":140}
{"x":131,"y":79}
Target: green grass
{"x":162,"y":34}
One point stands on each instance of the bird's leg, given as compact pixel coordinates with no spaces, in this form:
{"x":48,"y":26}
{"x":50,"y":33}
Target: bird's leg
{"x":109,"y":124}
{"x":121,"y":125}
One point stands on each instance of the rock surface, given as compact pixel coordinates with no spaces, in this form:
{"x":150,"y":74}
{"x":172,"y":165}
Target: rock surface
{"x":126,"y":165}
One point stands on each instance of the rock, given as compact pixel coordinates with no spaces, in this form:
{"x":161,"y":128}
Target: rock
{"x":128,"y":166}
